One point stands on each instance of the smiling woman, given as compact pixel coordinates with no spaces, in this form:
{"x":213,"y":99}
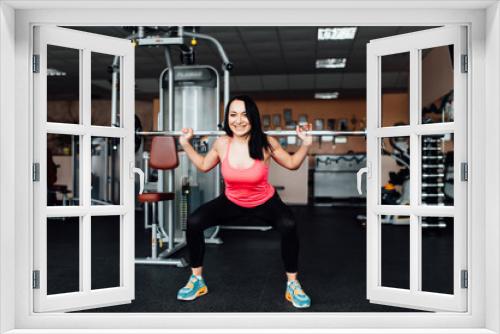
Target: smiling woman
{"x":341,"y":265}
{"x":248,"y":192}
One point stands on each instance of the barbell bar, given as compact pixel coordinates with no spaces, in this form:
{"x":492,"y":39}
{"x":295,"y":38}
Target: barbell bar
{"x":278,"y":133}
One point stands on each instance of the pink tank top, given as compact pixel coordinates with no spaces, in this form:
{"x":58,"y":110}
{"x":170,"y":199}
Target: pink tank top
{"x":246,"y":187}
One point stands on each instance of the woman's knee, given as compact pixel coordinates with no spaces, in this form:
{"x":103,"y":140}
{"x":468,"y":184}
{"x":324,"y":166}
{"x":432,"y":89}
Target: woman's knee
{"x":195,"y":221}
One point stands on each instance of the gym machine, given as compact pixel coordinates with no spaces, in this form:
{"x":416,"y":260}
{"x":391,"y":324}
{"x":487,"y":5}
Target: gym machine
{"x":437,"y":161}
{"x":189,"y":97}
{"x":338,"y":170}
{"x":390,"y":196}
{"x":435,"y":176}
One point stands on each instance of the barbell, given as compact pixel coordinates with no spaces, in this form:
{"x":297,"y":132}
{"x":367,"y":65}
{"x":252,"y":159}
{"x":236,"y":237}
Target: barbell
{"x":279,"y":133}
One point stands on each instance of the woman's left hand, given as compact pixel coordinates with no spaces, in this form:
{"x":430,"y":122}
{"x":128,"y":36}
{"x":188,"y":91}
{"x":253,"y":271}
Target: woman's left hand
{"x":302,"y":134}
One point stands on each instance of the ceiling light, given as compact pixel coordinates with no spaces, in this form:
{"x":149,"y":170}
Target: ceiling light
{"x":331,"y":63}
{"x":325,"y":34}
{"x":52,"y":72}
{"x":326,"y":96}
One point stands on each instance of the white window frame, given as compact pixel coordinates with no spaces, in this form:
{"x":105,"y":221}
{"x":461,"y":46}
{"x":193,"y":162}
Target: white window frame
{"x":413,"y":44}
{"x":85,"y":130}
{"x":16,"y":20}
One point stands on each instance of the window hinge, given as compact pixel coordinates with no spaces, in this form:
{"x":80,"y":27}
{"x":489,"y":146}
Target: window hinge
{"x":36,"y":279}
{"x":465,"y":64}
{"x":36,"y":63}
{"x":36,"y":172}
{"x":464,"y":171}
{"x":465,"y":279}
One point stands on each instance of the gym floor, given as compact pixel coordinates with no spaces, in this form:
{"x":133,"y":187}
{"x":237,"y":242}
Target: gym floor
{"x":245,"y":273}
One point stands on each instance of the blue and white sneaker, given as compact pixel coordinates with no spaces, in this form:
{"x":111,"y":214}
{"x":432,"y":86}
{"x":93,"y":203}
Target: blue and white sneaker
{"x":296,"y":295}
{"x":194,"y":288}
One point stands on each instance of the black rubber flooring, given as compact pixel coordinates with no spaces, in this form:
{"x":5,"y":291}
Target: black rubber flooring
{"x":245,"y":273}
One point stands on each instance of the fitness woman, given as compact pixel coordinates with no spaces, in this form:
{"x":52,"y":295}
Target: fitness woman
{"x":245,"y":156}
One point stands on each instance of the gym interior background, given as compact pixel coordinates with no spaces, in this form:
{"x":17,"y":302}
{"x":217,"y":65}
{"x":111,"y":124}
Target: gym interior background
{"x":295,"y":78}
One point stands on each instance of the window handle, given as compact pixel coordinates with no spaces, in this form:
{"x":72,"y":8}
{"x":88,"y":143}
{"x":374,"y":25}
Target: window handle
{"x":359,"y":176}
{"x":141,"y":179}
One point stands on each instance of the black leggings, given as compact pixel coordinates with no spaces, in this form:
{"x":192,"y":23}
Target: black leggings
{"x":221,"y":211}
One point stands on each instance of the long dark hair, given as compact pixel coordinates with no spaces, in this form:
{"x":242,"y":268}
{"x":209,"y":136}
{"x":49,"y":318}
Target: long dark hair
{"x":258,"y":139}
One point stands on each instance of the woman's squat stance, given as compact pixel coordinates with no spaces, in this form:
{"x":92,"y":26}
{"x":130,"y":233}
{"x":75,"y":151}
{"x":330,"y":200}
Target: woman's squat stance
{"x":244,"y":154}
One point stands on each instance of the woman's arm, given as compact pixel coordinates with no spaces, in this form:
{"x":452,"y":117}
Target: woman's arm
{"x":287,"y":160}
{"x":203,"y":163}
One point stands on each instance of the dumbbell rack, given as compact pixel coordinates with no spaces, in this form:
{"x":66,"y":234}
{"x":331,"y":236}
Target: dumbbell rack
{"x":433,"y":176}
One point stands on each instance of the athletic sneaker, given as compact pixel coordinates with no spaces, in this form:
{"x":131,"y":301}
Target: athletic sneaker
{"x":194,"y":288}
{"x":296,"y":295}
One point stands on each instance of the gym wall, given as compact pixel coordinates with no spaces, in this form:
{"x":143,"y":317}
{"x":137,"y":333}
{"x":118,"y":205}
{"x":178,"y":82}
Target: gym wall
{"x":352,"y":111}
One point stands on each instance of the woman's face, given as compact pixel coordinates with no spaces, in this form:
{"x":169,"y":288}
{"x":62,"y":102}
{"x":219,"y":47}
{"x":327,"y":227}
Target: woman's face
{"x":237,"y":117}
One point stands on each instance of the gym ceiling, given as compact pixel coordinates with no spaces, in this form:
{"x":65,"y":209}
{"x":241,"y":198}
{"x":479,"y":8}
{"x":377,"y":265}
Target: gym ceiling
{"x":269,"y":62}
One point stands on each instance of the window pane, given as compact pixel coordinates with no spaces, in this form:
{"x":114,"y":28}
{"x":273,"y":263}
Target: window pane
{"x":395,"y":171}
{"x":395,"y":91}
{"x":395,"y":246}
{"x":63,"y":255}
{"x":105,"y":176}
{"x":105,"y":248}
{"x":105,"y":101}
{"x":63,"y":84}
{"x":437,"y":254}
{"x":62,"y":169}
{"x":437,"y":84}
{"x":437,"y":169}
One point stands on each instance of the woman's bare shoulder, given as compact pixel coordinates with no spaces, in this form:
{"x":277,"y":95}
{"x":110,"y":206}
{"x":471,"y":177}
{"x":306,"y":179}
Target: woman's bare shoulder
{"x":222,"y":139}
{"x":273,"y":142}
{"x":221,"y":142}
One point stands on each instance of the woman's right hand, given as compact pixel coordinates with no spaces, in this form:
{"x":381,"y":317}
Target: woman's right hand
{"x":187,"y":134}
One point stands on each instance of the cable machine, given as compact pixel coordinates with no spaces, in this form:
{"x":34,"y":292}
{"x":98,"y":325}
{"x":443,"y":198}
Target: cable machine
{"x":188,"y":97}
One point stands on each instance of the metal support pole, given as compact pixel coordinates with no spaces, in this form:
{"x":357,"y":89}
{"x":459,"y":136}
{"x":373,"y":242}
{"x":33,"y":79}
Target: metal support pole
{"x":248,"y":228}
{"x":145,"y":159}
{"x":226,"y":87}
{"x":75,"y":168}
{"x":105,"y":181}
{"x":171,"y":112}
{"x":171,"y":98}
{"x":161,"y":110}
{"x":153,"y":232}
{"x":114,"y":91}
{"x":161,"y":113}
{"x":181,"y":263}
